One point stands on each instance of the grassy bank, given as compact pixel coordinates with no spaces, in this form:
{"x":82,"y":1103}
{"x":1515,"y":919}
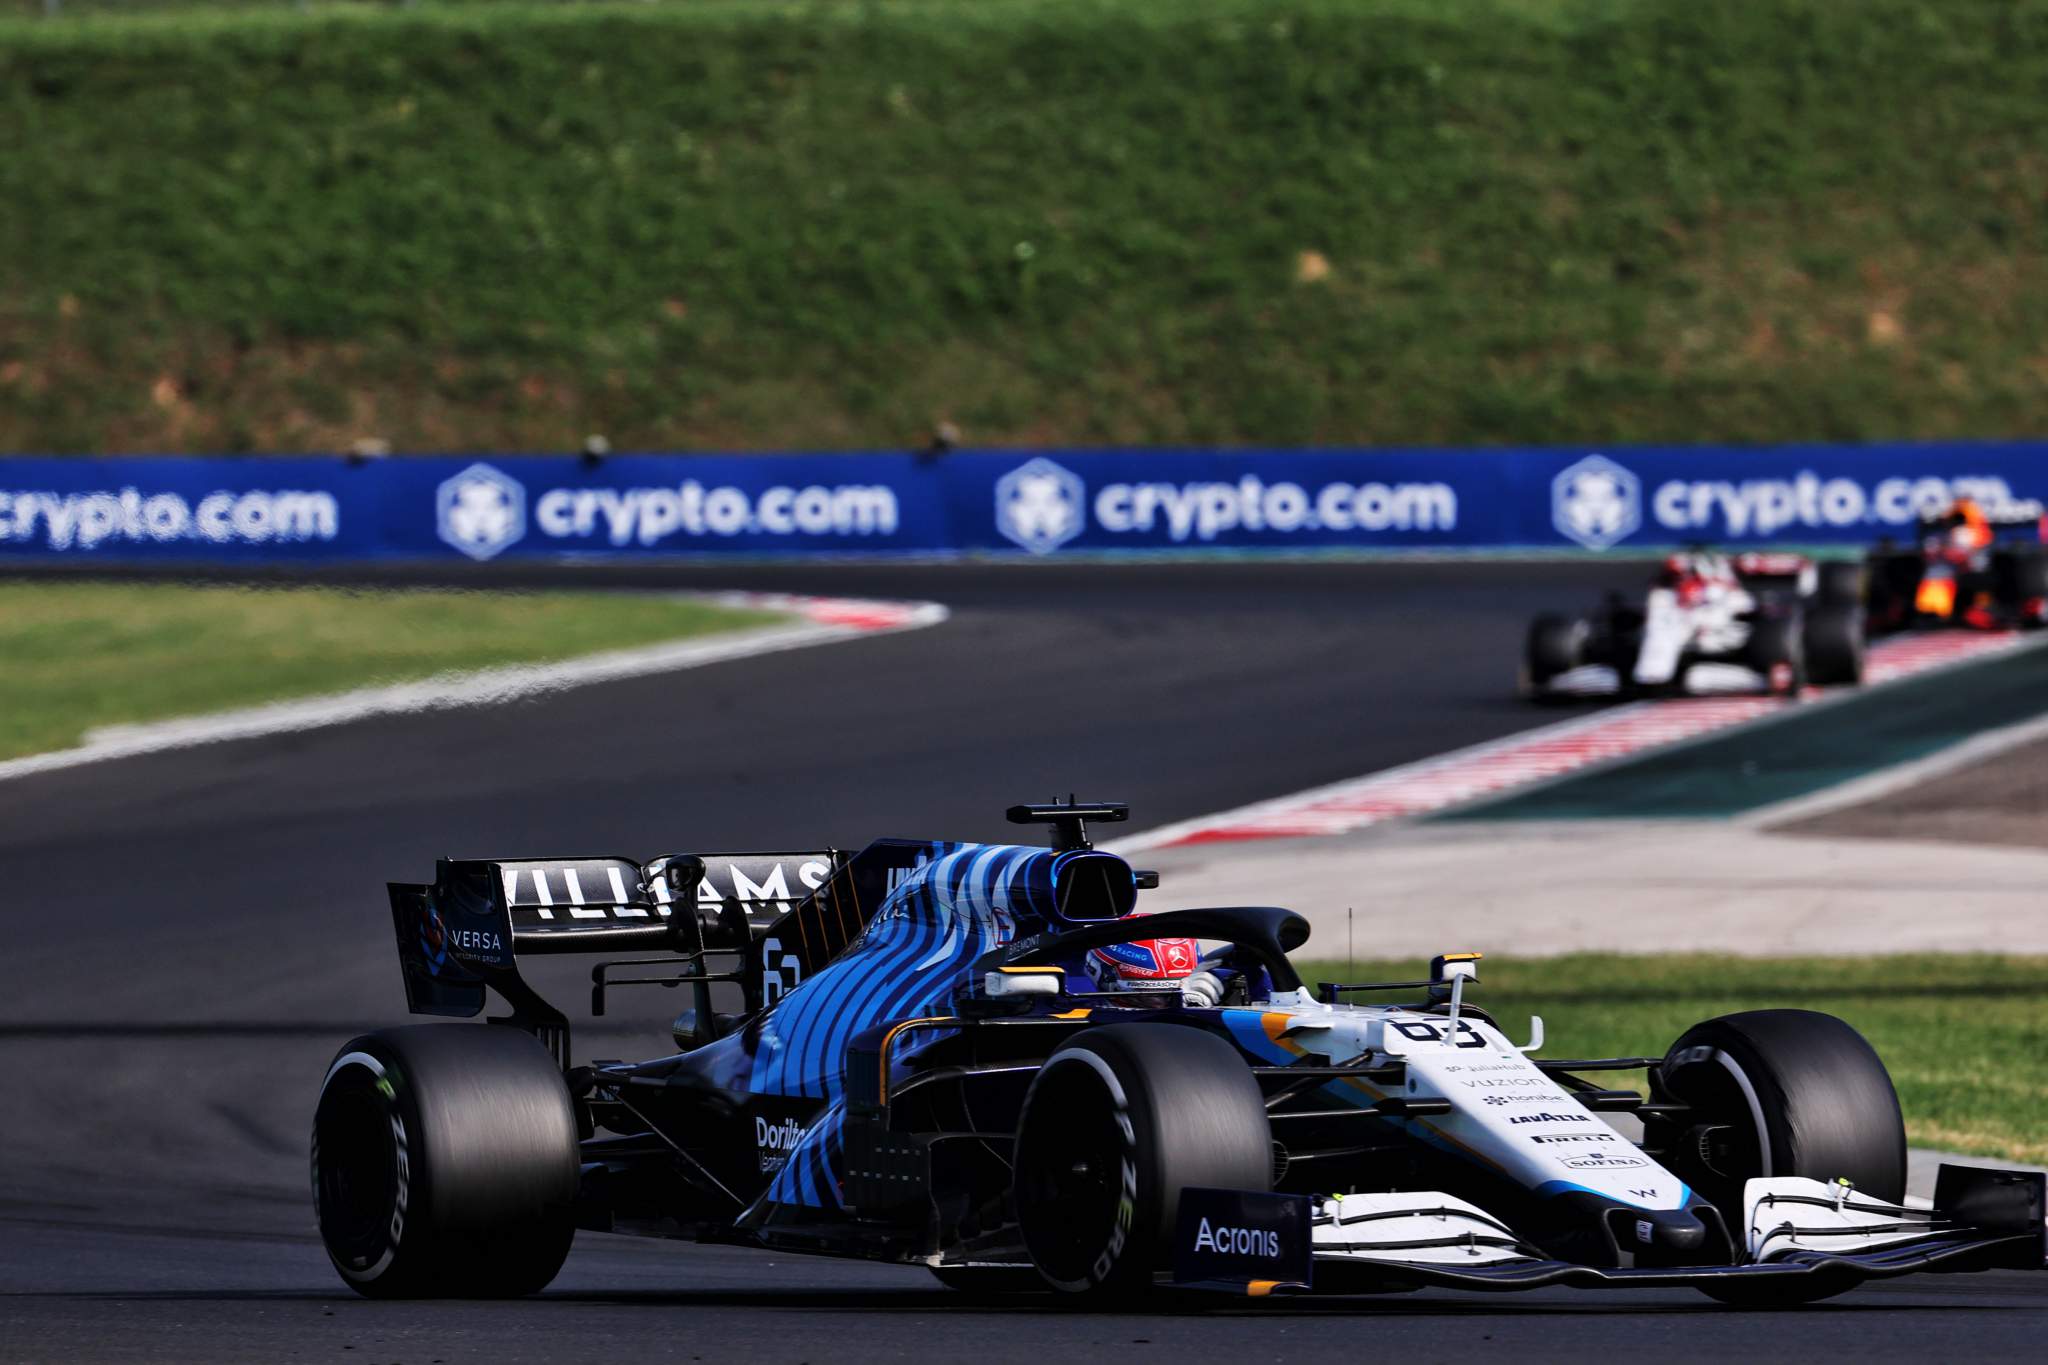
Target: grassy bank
{"x":754,"y":224}
{"x":1965,"y":1037}
{"x":79,"y":655}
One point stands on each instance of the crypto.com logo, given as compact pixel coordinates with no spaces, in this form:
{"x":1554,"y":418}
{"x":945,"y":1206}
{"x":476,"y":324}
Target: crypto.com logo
{"x":1040,"y":506}
{"x":480,"y":511}
{"x":1596,"y":503}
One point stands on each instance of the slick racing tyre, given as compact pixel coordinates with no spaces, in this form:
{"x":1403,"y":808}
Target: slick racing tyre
{"x":2030,"y":586}
{"x":1834,"y":646}
{"x":1556,"y":644}
{"x":445,"y":1163}
{"x":1777,"y":650}
{"x":1114,"y":1126}
{"x":1782,"y":1093}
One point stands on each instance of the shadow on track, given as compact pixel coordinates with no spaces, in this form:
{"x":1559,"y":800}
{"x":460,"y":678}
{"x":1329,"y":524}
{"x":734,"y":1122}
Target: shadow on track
{"x":870,"y":1302}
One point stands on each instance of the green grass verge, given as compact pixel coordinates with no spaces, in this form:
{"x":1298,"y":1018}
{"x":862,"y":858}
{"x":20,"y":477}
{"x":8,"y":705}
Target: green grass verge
{"x":84,"y":655}
{"x":757,"y":223}
{"x":1965,"y":1037}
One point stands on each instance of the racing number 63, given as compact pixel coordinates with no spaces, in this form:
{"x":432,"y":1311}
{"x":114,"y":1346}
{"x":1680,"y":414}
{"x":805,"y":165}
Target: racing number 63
{"x":774,"y":965}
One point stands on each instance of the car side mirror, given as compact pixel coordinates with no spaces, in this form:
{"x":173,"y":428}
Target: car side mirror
{"x":1447,"y":969}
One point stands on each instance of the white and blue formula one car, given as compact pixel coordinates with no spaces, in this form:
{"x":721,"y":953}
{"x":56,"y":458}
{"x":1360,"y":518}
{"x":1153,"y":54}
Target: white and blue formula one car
{"x":923,"y":1071}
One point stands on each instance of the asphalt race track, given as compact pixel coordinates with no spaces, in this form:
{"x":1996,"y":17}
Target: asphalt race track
{"x":189,"y":936}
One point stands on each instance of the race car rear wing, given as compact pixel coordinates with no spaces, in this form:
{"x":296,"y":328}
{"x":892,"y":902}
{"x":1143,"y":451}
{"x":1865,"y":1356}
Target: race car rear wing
{"x":2013,"y":520}
{"x":465,"y":930}
{"x":462,"y":934}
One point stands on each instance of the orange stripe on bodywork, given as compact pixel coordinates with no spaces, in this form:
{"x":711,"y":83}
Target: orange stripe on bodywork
{"x":1258,"y":1289}
{"x":889,"y":1041}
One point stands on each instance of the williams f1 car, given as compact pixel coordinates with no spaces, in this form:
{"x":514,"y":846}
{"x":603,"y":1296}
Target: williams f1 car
{"x":1975,"y":567}
{"x":1709,"y":624}
{"x":920,"y":1074}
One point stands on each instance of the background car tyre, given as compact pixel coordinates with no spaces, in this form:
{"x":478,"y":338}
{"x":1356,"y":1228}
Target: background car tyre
{"x":1793,"y":1093}
{"x":445,"y":1163}
{"x":1834,"y":646}
{"x":1777,"y":650}
{"x":1556,"y":645}
{"x":2030,"y":587}
{"x":1115,"y":1125}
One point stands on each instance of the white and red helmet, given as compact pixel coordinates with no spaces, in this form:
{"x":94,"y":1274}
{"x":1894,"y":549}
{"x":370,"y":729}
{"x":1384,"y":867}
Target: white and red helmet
{"x":1696,"y":574}
{"x":1148,"y":964}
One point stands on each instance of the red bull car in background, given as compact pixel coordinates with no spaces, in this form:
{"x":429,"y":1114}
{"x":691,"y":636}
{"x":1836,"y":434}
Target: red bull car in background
{"x":1709,"y":624}
{"x":924,"y":1071}
{"x":1972,"y":567}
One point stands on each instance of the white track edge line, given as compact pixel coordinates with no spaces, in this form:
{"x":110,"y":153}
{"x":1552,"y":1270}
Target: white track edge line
{"x":446,"y":691}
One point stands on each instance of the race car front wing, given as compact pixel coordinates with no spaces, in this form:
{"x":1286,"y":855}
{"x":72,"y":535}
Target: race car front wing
{"x":1981,"y":1219}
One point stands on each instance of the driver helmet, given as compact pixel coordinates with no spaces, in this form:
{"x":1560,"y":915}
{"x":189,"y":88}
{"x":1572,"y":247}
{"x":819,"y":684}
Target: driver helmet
{"x":1973,"y":529}
{"x":1692,"y":576}
{"x":1148,"y":964}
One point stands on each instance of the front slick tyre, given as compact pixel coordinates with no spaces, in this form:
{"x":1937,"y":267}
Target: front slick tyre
{"x":1795,"y":1093}
{"x":1555,"y":645}
{"x":445,"y":1163}
{"x":1116,"y":1124}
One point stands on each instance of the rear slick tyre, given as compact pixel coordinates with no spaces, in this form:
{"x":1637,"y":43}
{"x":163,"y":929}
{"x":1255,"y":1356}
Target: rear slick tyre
{"x":1834,"y":646}
{"x":1777,"y":651}
{"x":1116,"y":1124}
{"x":445,"y":1163}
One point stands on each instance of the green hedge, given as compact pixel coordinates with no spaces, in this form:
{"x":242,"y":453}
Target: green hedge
{"x":761,"y":224}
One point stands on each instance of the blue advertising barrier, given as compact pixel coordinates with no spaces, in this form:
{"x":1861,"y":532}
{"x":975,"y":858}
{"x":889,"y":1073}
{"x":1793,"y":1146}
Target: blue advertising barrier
{"x":1021,"y":503}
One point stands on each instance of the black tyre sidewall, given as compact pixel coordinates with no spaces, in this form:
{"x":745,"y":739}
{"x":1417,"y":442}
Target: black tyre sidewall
{"x":1828,"y":1111}
{"x":1828,"y":1107}
{"x":1190,"y":1114}
{"x":1775,"y":640}
{"x":1553,"y":647}
{"x":2030,"y":580}
{"x":1834,"y":646}
{"x":371,"y":1254}
{"x":482,"y":1153}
